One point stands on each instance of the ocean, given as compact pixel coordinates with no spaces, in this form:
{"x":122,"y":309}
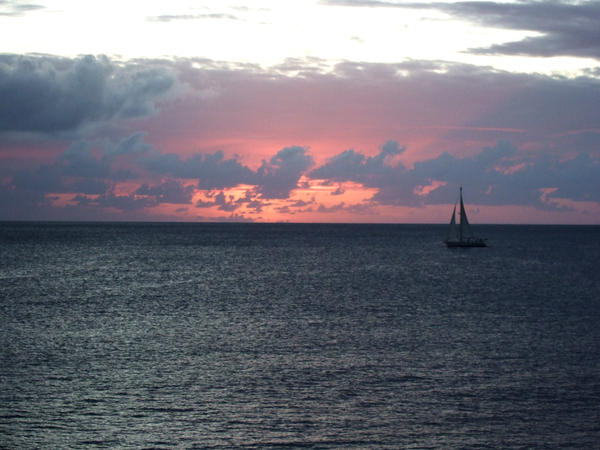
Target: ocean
{"x":144,"y":335}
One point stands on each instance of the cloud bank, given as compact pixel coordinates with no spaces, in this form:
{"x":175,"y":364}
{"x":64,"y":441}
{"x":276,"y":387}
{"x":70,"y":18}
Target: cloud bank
{"x":182,"y":139}
{"x":51,"y":95}
{"x":566,"y":28}
{"x":16,"y":9}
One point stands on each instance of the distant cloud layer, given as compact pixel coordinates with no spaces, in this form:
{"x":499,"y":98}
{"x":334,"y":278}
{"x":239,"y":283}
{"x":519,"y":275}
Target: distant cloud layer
{"x":92,"y":138}
{"x":495,"y":176}
{"x":567,"y":28}
{"x":175,"y":17}
{"x":11,"y":8}
{"x":50,"y":94}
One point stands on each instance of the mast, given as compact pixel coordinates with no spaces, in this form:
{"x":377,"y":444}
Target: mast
{"x":463,"y":236}
{"x":464,"y":228}
{"x":462,"y":216}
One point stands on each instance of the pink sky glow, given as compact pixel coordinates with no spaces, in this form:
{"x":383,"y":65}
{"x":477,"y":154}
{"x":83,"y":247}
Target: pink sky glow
{"x":310,"y":138}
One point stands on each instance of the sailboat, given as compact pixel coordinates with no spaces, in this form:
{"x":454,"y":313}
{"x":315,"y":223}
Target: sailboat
{"x":460,"y":235}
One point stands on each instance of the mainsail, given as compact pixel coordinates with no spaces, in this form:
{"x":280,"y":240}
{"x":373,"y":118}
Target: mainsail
{"x":465,"y":229}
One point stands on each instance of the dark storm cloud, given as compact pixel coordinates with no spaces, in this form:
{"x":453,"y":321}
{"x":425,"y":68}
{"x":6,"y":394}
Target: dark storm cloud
{"x":47,"y":94}
{"x":567,"y":28}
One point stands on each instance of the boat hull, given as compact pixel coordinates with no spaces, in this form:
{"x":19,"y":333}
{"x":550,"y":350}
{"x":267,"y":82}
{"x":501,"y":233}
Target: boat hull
{"x":469,"y":243}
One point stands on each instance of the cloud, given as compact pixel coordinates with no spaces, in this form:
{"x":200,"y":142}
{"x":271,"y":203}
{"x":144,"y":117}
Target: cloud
{"x":223,"y":202}
{"x":371,"y":171}
{"x":84,"y":168}
{"x":66,"y":176}
{"x":127,"y":203}
{"x":229,"y":203}
{"x":567,"y":28}
{"x":362,"y":3}
{"x":498,"y":175}
{"x":213,"y":171}
{"x":494,"y":176}
{"x":170,"y":191}
{"x":276,"y":178}
{"x":171,"y":18}
{"x":17,"y":9}
{"x":429,"y":106}
{"x":92,"y":170}
{"x":354,"y":166}
{"x":509,"y":138}
{"x":45,"y":94}
{"x":332,"y":209}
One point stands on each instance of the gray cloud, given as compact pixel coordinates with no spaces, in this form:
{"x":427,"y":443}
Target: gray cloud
{"x":93,"y":169}
{"x":11,"y":8}
{"x":171,"y":18}
{"x":360,"y":167}
{"x":170,"y":191}
{"x":229,"y":203}
{"x":276,"y":178}
{"x":213,"y":171}
{"x":567,"y":28}
{"x":494,"y":176}
{"x":450,"y":104}
{"x":83,"y":168}
{"x":47,"y":94}
{"x":73,"y":172}
{"x":497,"y":175}
{"x":127,"y":203}
{"x":362,"y":3}
{"x":222,"y":201}
{"x":550,"y":122}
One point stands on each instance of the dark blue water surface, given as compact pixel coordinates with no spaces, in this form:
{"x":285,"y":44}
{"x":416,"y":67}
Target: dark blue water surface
{"x":273,"y":335}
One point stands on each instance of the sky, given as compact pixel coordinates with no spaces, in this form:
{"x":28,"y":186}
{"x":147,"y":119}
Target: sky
{"x":360,"y":111}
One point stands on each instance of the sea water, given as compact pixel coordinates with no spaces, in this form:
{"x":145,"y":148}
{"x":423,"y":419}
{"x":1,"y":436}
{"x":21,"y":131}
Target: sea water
{"x":284,"y":335}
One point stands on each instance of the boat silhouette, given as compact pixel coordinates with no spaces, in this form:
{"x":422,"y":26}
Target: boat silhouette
{"x":461,"y":235}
